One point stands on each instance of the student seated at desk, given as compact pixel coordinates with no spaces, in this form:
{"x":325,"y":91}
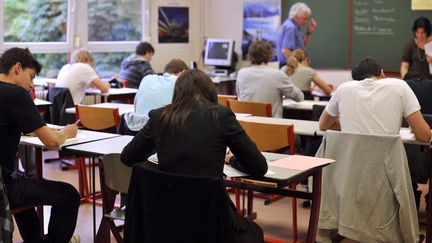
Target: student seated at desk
{"x":18,"y":67}
{"x":302,"y":75}
{"x":135,"y":67}
{"x":374,"y":105}
{"x":154,"y":92}
{"x":191,"y":135}
{"x":79,"y":75}
{"x":261,"y":83}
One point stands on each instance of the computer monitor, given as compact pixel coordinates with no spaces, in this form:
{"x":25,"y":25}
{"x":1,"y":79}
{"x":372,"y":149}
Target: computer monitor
{"x":219,"y":52}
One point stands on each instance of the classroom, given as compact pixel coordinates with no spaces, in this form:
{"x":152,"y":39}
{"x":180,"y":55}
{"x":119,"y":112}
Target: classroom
{"x":215,"y":121}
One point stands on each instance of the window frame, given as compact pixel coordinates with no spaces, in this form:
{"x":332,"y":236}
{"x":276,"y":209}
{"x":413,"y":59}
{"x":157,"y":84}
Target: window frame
{"x":77,"y":33}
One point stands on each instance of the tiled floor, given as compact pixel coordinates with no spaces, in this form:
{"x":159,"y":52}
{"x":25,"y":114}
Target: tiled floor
{"x":275,"y":219}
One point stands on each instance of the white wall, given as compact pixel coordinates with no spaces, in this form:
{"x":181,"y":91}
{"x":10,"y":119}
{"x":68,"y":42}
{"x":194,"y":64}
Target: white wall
{"x":224,"y":19}
{"x":208,"y":19}
{"x":188,"y":51}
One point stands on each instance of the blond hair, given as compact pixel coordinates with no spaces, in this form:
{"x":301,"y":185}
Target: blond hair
{"x":82,"y":55}
{"x":297,"y":57}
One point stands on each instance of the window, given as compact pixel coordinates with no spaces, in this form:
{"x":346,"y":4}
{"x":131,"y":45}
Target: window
{"x":114,"y":20}
{"x":35,"y":21}
{"x":51,"y":63}
{"x":52,"y":29}
{"x":107,"y":64}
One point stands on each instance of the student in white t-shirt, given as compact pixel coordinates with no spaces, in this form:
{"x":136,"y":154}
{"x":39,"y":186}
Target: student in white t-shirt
{"x":374,"y":105}
{"x":79,"y":75}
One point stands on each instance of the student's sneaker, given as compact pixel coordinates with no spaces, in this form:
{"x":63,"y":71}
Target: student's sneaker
{"x":75,"y":239}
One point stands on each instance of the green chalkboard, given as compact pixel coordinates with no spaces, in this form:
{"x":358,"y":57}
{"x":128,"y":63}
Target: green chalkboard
{"x":329,"y":46}
{"x":380,"y":29}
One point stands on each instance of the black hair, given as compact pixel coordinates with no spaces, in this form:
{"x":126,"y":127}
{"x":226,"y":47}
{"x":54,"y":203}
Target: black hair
{"x":422,"y":22}
{"x":14,"y":55}
{"x":144,"y":48}
{"x":367,"y":68}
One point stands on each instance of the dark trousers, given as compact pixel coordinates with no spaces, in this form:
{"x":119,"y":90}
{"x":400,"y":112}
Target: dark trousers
{"x":63,"y":198}
{"x":27,"y":157}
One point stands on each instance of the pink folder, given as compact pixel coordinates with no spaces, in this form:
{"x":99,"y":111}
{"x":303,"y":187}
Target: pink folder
{"x":300,"y":162}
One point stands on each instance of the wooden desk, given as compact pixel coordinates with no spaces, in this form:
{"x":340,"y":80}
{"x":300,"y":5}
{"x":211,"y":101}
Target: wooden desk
{"x":82,"y":137}
{"x":100,"y":148}
{"x":301,"y":127}
{"x":281,"y":175}
{"x":305,"y":105}
{"x":42,"y":105}
{"x":123,"y":108}
{"x":300,"y":110}
{"x":115,"y":94}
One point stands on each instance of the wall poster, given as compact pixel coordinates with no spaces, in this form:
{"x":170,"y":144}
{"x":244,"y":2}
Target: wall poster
{"x":173,"y":24}
{"x":261,"y":21}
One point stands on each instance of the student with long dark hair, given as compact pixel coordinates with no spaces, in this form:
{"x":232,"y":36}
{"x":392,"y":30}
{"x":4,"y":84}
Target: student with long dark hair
{"x":414,"y":57}
{"x":191,"y":134}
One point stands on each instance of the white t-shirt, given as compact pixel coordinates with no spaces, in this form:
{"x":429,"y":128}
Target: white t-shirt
{"x":77,"y":77}
{"x":373,"y":106}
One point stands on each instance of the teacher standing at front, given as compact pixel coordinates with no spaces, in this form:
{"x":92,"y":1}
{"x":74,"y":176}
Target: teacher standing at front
{"x":290,"y":36}
{"x":414,"y":57}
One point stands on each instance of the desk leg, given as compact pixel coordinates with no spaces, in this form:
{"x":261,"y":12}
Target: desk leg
{"x":39,"y":175}
{"x":313,"y":219}
{"x":250,"y":213}
{"x":93,"y":162}
{"x":429,"y":209}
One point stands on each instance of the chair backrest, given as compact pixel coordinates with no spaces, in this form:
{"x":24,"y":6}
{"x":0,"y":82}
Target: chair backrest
{"x":223,"y":99}
{"x":116,"y":174}
{"x":167,"y":207}
{"x":98,"y":118}
{"x":61,"y":99}
{"x":270,"y":137}
{"x":254,"y":108}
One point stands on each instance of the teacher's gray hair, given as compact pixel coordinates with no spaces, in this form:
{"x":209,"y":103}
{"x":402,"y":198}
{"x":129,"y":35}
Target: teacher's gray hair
{"x":299,"y":9}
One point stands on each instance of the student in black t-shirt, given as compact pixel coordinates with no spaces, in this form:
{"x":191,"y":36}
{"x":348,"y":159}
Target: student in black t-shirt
{"x":19,"y":115}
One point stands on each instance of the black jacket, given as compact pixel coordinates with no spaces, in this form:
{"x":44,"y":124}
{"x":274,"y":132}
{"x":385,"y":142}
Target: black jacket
{"x":201,"y":151}
{"x":61,"y":99}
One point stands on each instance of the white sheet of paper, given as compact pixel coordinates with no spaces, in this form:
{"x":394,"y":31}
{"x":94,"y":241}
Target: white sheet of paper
{"x":153,"y":158}
{"x":229,"y":171}
{"x":406,"y":134}
{"x":232,"y":172}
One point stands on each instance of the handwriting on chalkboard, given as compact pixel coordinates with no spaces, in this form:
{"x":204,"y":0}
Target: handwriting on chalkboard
{"x":371,"y":17}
